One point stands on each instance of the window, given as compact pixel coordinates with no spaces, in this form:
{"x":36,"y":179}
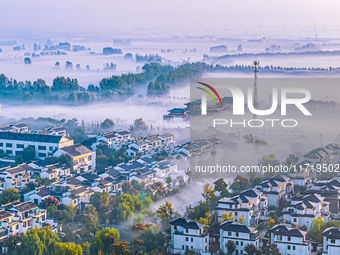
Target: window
{"x":192,"y":239}
{"x":288,"y":247}
{"x":41,"y":155}
{"x":9,"y":145}
{"x":20,"y":146}
{"x":236,"y":242}
{"x":89,"y":158}
{"x":89,"y":167}
{"x":182,"y":247}
{"x":187,"y":239}
{"x":236,"y":252}
{"x":8,"y":152}
{"x":241,"y":243}
{"x":42,"y":148}
{"x":36,"y":201}
{"x":235,"y":214}
{"x":192,"y":247}
{"x":50,"y":148}
{"x":332,"y":240}
{"x":17,"y":227}
{"x":229,"y":233}
{"x":294,"y":220}
{"x":293,"y":247}
{"x":289,"y":238}
{"x":1,"y":144}
{"x":175,"y":227}
{"x":236,"y":233}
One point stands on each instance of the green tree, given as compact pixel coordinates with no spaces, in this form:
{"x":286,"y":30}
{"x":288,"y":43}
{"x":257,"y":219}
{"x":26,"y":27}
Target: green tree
{"x":28,"y":154}
{"x":230,"y":247}
{"x":100,"y":201}
{"x":68,"y":249}
{"x":152,"y":241}
{"x":208,"y":194}
{"x":9,"y":195}
{"x":166,"y":212}
{"x":70,"y":212}
{"x":316,"y":229}
{"x":220,"y":185}
{"x":103,"y":240}
{"x":271,"y":250}
{"x":240,"y":183}
{"x":251,"y":249}
{"x":291,"y":160}
{"x":106,"y":124}
{"x":12,"y":244}
{"x":86,"y":248}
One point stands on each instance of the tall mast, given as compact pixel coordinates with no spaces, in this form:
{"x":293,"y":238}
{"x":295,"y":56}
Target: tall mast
{"x":256,"y":99}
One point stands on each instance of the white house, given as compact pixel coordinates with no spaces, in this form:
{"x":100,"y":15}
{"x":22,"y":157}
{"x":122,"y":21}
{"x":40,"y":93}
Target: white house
{"x":15,"y":177}
{"x":331,"y":241}
{"x":304,"y":209}
{"x":44,"y":145}
{"x":84,"y":159}
{"x":250,"y":206}
{"x":290,"y":240}
{"x":188,"y":235}
{"x":240,"y":234}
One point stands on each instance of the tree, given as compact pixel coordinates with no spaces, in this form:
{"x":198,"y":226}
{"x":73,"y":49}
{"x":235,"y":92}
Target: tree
{"x":271,"y":250}
{"x":51,"y":201}
{"x":28,"y":154}
{"x":316,"y":229}
{"x":38,"y":242}
{"x":27,"y":60}
{"x":165,"y":212}
{"x":152,"y":241}
{"x":68,"y":249}
{"x":100,"y":201}
{"x":120,"y":248}
{"x":103,"y":240}
{"x":230,"y":247}
{"x":9,"y":195}
{"x":291,"y":160}
{"x":27,"y":96}
{"x":251,"y":249}
{"x":86,"y":248}
{"x":29,"y":186}
{"x":106,"y":124}
{"x":227,"y":216}
{"x":240,"y":183}
{"x":11,"y":244}
{"x":70,"y":212}
{"x":208,"y":194}
{"x":241,"y":219}
{"x":220,"y":185}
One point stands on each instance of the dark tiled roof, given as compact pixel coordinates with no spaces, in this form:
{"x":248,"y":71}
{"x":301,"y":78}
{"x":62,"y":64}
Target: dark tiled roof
{"x":26,"y":206}
{"x":90,"y":177}
{"x":4,"y":214}
{"x":76,"y":150}
{"x":19,"y":169}
{"x":236,"y":227}
{"x":30,"y":137}
{"x":44,"y":192}
{"x":179,"y":222}
{"x":332,"y":233}
{"x":287,"y":231}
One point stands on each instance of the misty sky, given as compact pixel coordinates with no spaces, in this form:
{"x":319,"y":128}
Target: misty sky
{"x":109,"y":15}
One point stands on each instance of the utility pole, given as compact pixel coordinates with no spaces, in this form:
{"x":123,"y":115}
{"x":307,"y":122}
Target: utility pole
{"x":256,"y":99}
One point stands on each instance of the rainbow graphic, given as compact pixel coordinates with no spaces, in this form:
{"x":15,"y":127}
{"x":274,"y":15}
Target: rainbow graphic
{"x":209,"y":93}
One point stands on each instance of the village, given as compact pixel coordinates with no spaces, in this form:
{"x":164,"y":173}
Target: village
{"x":260,"y":215}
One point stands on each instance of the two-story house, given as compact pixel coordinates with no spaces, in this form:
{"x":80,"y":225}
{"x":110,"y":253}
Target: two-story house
{"x":331,"y":241}
{"x":188,"y":235}
{"x":16,"y":177}
{"x":84,"y":159}
{"x":290,"y":240}
{"x":249,"y":207}
{"x":240,"y":234}
{"x":304,"y":209}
